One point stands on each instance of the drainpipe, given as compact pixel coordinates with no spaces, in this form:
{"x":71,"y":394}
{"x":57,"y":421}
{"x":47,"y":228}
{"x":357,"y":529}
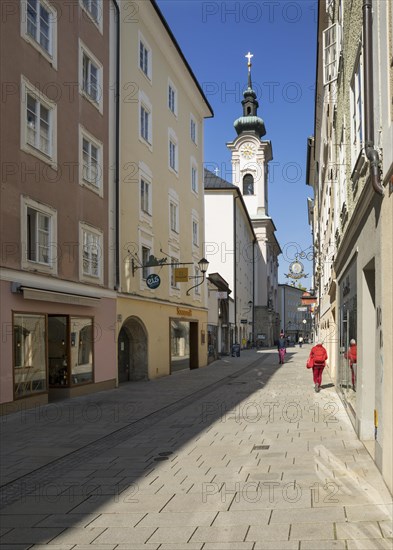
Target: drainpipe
{"x":370,"y":150}
{"x":117,"y":147}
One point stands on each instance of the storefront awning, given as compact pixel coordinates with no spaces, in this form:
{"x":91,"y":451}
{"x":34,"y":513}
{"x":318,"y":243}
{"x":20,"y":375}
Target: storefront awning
{"x":43,"y":295}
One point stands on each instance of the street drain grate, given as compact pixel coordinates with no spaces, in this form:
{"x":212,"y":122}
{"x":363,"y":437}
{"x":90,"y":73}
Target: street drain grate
{"x":233,"y":383}
{"x":261,"y":447}
{"x":159,"y":458}
{"x":165,"y":453}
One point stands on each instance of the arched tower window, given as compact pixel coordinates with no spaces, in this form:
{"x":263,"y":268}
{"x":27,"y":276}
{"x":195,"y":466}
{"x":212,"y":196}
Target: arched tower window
{"x":248,"y":185}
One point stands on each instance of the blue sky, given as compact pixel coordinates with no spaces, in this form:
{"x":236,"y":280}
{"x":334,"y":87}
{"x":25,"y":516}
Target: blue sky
{"x":214,"y":37}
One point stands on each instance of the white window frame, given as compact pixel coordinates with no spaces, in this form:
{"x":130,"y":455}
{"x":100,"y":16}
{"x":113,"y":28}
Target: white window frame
{"x":172,"y":97}
{"x":96,"y":186}
{"x":193,"y":133}
{"x":197,"y":275}
{"x":357,"y":111}
{"x":145,"y":104}
{"x":99,"y":101}
{"x":145,"y":271}
{"x":45,"y":210}
{"x":173,"y":152}
{"x":174,"y":285}
{"x":173,"y":216}
{"x":194,"y":176}
{"x":89,"y":230}
{"x":149,"y":69}
{"x":195,"y":233}
{"x":146,"y":184}
{"x":98,"y":21}
{"x":50,"y":54}
{"x":28,"y":89}
{"x":331,"y":53}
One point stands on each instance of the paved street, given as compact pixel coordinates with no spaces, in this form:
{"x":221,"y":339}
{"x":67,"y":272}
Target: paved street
{"x":240,"y":455}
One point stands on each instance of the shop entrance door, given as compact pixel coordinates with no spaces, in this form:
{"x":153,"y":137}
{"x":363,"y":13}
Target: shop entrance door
{"x":58,"y":350}
{"x":123,"y":354}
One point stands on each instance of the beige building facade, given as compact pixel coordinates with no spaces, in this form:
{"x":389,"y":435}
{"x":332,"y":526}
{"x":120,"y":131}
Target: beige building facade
{"x":161,"y":322}
{"x":350,"y":169}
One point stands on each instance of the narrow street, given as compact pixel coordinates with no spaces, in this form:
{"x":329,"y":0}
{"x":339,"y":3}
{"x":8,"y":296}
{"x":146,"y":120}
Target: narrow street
{"x":240,"y":455}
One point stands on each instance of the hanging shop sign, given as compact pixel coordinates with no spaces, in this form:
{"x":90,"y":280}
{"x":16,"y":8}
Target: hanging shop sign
{"x":181,"y":274}
{"x":153,"y":281}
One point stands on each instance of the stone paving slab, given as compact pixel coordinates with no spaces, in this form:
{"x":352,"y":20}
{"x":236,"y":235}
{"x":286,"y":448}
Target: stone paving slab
{"x":216,"y":491}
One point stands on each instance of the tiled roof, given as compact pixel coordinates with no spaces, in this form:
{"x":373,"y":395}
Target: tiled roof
{"x":211,"y":181}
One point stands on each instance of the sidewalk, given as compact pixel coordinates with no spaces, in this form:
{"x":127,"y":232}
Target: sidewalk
{"x":240,"y":455}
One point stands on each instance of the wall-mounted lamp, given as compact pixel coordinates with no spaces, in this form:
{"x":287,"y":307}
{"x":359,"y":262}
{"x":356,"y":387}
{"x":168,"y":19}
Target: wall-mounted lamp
{"x":203,"y":264}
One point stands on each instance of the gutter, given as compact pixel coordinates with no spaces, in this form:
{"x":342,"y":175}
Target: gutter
{"x":371,"y":153}
{"x":117,"y":141}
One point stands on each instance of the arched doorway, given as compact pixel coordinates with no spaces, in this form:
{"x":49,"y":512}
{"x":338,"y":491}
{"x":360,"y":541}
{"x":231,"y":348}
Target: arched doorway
{"x":132,"y":351}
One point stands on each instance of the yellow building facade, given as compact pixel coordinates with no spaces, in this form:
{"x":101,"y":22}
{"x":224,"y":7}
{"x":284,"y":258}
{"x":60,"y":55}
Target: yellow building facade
{"x":161,"y":322}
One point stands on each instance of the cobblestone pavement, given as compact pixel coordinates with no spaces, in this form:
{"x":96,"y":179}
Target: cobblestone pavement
{"x":240,"y":455}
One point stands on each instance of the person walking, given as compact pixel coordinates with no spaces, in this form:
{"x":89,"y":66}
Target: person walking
{"x":351,"y":355}
{"x":300,"y":341}
{"x":317,"y":359}
{"x":281,"y":347}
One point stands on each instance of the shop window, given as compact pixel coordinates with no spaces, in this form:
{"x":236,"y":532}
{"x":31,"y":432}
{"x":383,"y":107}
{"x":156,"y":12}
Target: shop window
{"x":29,"y":354}
{"x":81,"y":350}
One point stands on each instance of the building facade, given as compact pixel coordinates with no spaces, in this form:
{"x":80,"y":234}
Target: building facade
{"x":58,"y":304}
{"x":161,"y":323}
{"x":230,"y":248}
{"x":350,"y":169}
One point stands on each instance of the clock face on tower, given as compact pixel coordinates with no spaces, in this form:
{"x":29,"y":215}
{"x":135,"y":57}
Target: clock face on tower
{"x":247,"y":150}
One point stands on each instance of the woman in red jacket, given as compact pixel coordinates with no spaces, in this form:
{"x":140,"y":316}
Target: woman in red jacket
{"x":352,"y":356}
{"x":318,"y":356}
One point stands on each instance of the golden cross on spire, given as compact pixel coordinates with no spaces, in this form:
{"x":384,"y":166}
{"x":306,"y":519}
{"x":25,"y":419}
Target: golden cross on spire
{"x":249,"y":56}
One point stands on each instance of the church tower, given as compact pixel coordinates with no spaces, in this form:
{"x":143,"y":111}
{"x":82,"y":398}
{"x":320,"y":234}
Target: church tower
{"x":250,"y":158}
{"x":250,"y":155}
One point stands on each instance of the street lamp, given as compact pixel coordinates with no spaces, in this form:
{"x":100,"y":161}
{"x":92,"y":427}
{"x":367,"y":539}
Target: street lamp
{"x":203,"y":264}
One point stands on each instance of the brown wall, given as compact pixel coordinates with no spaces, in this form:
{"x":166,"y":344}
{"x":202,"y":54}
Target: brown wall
{"x":23,"y":173}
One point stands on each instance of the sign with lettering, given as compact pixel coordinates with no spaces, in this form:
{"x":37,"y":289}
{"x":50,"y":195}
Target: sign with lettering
{"x":181,"y":274}
{"x":184,"y":312}
{"x":153,"y":281}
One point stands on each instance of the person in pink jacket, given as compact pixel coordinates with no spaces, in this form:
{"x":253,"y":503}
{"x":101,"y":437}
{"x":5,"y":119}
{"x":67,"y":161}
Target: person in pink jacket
{"x":318,"y":356}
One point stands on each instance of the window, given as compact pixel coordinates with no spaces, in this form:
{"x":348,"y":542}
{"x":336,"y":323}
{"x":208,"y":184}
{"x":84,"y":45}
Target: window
{"x":38,"y":125}
{"x":356,"y":112}
{"x":91,"y":77}
{"x":145,"y":64}
{"x":194,"y":178}
{"x":331,"y":53}
{"x":91,"y":161}
{"x":145,"y":260}
{"x":173,"y":212}
{"x":29,"y":354}
{"x":172,"y":98}
{"x":144,"y":123}
{"x":94,"y":9}
{"x":39,"y":235}
{"x":197,"y":275}
{"x":193,"y":130}
{"x":195,"y":231}
{"x":92,"y":257}
{"x":172,"y":154}
{"x":38,"y":129}
{"x":174,"y":265}
{"x":38,"y":27}
{"x":145,"y":196}
{"x":248,"y":185}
